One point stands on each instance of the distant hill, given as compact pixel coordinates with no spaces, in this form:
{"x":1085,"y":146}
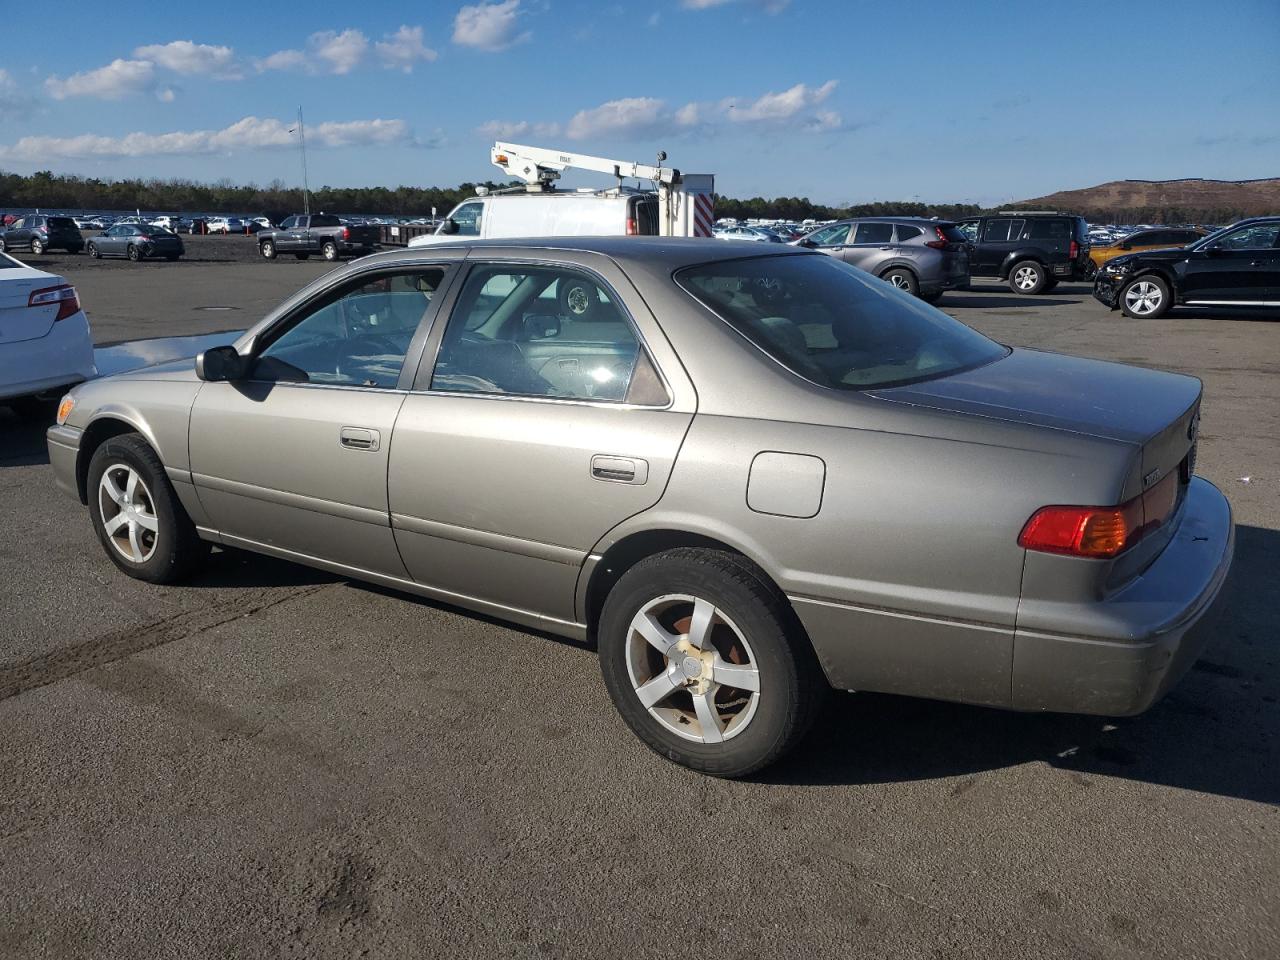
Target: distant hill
{"x":1190,"y":200}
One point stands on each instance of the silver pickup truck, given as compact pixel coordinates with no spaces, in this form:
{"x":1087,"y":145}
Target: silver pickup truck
{"x":321,"y":233}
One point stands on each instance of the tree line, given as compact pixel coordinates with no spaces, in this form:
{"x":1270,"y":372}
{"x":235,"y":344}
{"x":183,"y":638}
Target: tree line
{"x":67,"y":192}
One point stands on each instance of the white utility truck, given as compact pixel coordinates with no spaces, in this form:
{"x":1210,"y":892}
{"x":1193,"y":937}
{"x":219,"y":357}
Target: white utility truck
{"x":677,"y":205}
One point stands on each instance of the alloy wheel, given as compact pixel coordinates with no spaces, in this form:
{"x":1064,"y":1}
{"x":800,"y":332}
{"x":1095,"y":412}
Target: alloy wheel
{"x":1143,"y":297}
{"x":692,"y":668}
{"x":1025,"y":278}
{"x":899,"y":281}
{"x":128,"y":512}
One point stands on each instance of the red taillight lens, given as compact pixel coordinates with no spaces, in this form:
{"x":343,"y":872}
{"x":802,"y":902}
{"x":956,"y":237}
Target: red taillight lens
{"x":346,"y":233}
{"x":1073,"y":251}
{"x":1100,"y":532}
{"x":940,"y":243}
{"x":64,"y":296}
{"x":632,"y":227}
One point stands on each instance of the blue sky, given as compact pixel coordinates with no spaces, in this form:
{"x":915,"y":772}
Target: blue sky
{"x":836,"y":100}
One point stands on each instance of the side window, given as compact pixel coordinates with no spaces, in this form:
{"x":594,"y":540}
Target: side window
{"x":542,"y":332}
{"x":18,"y":224}
{"x":357,"y":336}
{"x":906,"y":233}
{"x":830,"y":236}
{"x":288,"y":223}
{"x":997,"y":230}
{"x":468,"y":217}
{"x":1050,"y":230}
{"x":873,"y":233}
{"x":969,"y":229}
{"x":1260,"y":236}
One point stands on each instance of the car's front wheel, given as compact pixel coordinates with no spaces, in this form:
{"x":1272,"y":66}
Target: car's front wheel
{"x":1027,"y":277}
{"x":1145,"y":298}
{"x":268,"y":249}
{"x":706,"y":663}
{"x":137,"y":515}
{"x":93,"y":251}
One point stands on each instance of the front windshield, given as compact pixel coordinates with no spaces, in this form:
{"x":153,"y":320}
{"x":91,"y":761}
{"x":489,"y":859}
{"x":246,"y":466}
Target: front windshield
{"x":835,"y":325}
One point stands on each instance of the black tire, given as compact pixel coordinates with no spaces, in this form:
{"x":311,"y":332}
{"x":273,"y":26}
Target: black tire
{"x":268,"y":249}
{"x":1028,"y":277}
{"x":177,"y":550}
{"x":903,"y":279}
{"x":134,"y":253}
{"x":792,"y":686}
{"x":93,"y":251}
{"x":1146,"y":302}
{"x":37,"y":246}
{"x":578,"y":299}
{"x":329,"y":250}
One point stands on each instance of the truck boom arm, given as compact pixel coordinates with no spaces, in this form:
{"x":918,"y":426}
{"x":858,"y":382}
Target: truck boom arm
{"x":537,"y":165}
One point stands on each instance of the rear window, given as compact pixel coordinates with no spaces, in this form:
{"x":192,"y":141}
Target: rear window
{"x":906,"y":233}
{"x":1050,"y":230}
{"x":952,"y":232}
{"x":835,"y":325}
{"x":325,"y":221}
{"x":61,"y":223}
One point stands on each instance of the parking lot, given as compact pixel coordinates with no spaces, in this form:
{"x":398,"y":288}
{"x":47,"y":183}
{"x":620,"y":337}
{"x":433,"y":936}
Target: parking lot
{"x":273,"y":761}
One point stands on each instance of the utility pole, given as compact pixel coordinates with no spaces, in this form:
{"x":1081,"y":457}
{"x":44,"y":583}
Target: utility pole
{"x":302,"y":145}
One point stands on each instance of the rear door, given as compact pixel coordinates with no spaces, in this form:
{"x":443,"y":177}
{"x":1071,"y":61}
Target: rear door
{"x":871,"y":246}
{"x":539,"y":422}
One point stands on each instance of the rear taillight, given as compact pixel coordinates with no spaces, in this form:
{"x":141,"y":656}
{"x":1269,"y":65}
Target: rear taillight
{"x":1073,"y":251}
{"x":632,"y":227}
{"x":64,"y":296}
{"x":939,"y":244}
{"x":1100,"y":532}
{"x":346,"y":233}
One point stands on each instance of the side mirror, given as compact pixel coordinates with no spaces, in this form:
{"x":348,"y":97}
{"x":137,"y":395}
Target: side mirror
{"x":805,"y":242}
{"x":1214,"y":249}
{"x":1126,"y":246}
{"x":221,"y":363}
{"x":539,"y":326}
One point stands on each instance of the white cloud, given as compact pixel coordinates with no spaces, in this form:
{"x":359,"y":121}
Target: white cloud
{"x":250,"y":133}
{"x":489,"y":26}
{"x":779,"y":107}
{"x":628,"y":117}
{"x":116,"y":80}
{"x":768,"y":6}
{"x":15,"y":102}
{"x":689,"y":115}
{"x":517,"y":129}
{"x":184,"y":56}
{"x":402,"y":49}
{"x":327,"y":52}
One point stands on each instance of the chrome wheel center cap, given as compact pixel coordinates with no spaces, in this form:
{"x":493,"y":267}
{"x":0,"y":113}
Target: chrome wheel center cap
{"x":691,"y":667}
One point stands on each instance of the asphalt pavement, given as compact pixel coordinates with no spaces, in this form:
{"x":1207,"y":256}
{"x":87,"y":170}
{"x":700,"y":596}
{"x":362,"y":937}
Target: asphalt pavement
{"x":276,"y":762}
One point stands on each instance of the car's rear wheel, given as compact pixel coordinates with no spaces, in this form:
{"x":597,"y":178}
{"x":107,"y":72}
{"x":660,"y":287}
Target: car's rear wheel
{"x":903,"y":279}
{"x":1027,"y":277}
{"x":706,"y":662}
{"x":37,"y":246}
{"x":268,"y":249}
{"x":329,"y":250}
{"x":93,"y":251}
{"x":1145,"y":298}
{"x":137,"y":515}
{"x":134,"y":253}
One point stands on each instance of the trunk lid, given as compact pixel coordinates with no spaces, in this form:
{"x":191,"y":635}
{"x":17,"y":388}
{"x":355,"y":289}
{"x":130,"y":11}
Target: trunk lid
{"x":1154,"y":411}
{"x":18,"y":321}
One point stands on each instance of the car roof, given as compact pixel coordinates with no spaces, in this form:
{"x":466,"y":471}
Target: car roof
{"x":674,"y":252}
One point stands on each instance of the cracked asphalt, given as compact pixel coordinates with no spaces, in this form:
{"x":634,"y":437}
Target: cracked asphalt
{"x":275,"y":762}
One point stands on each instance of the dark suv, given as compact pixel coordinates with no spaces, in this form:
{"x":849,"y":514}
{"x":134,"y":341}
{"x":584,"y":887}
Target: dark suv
{"x":40,"y":232}
{"x":1030,"y":250}
{"x":1237,"y":266}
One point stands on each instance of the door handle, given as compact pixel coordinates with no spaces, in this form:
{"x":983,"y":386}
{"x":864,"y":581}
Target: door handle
{"x":358,"y":438}
{"x":1255,"y":263}
{"x":619,"y":469}
{"x":886,"y":248}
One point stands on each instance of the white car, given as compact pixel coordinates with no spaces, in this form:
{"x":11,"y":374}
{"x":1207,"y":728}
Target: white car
{"x":226,"y":225}
{"x":45,"y":343}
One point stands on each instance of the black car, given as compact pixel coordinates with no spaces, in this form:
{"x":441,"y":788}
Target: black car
{"x":1237,"y":266}
{"x":39,"y":232}
{"x":1032,"y":251}
{"x":137,"y":241}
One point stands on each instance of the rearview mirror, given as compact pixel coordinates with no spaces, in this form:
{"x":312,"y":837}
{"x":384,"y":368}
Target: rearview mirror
{"x":221,"y":363}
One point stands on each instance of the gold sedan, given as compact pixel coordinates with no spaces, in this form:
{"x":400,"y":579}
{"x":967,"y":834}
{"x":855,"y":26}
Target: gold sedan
{"x":1160,"y":238}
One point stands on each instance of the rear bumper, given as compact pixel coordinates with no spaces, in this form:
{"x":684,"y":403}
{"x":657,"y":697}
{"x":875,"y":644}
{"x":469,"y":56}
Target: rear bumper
{"x":1122,"y":654}
{"x":62,"y":357}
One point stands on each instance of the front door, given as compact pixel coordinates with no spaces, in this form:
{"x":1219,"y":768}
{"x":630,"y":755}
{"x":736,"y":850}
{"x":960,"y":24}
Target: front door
{"x":295,"y":455}
{"x":542,"y":423}
{"x":1000,"y":236}
{"x":1239,"y":267}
